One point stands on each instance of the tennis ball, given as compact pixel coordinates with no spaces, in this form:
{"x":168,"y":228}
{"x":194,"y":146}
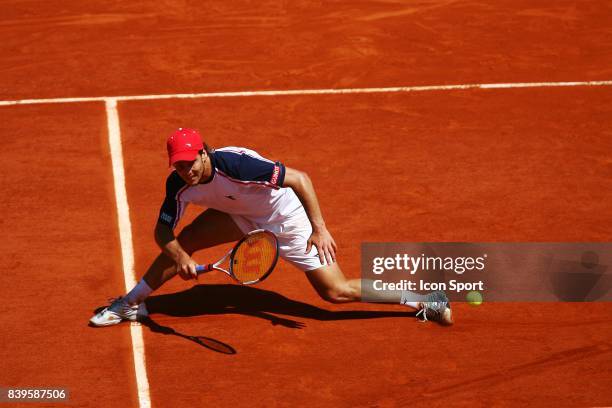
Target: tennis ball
{"x":474,"y":298}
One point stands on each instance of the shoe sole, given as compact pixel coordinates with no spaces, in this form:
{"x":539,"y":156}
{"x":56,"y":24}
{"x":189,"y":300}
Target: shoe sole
{"x":105,"y":323}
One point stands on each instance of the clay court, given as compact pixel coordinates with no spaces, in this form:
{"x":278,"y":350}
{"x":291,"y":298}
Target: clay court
{"x":382,"y":103}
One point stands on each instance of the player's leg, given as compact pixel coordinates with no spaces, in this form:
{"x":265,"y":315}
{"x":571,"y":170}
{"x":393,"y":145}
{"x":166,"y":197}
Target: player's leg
{"x":328,"y":280}
{"x":209,"y":229}
{"x":331,"y":284}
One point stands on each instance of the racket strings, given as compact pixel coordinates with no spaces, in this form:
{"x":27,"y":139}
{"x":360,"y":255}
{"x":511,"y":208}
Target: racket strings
{"x":254,"y":257}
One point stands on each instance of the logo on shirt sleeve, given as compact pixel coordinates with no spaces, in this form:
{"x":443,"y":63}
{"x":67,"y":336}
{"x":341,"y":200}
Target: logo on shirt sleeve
{"x":166,"y":217}
{"x":275,"y":174}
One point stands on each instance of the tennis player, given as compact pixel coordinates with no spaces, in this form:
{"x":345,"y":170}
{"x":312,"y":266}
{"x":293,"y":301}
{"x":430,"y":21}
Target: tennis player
{"x":244,"y":191}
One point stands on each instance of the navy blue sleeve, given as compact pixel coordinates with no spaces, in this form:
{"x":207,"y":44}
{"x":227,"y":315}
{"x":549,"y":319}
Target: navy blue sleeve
{"x":171,"y":211}
{"x":244,"y":167}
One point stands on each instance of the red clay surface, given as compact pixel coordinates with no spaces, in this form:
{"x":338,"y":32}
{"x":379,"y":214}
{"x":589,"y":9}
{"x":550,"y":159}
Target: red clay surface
{"x":504,"y":165}
{"x":61,"y":255}
{"x":169,"y":46}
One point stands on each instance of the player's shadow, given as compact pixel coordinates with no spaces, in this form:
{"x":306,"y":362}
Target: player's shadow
{"x":207,"y":342}
{"x":251,"y":301}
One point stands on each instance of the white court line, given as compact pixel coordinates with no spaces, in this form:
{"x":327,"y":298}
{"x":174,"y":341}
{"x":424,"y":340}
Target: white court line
{"x":127,"y":250}
{"x":309,"y":92}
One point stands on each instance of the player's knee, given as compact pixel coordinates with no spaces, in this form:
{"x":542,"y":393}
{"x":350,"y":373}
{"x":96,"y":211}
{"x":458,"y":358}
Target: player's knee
{"x":340,"y":293}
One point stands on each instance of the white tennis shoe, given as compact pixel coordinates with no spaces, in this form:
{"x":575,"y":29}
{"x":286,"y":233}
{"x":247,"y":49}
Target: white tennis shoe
{"x":118,"y":311}
{"x":436,"y":307}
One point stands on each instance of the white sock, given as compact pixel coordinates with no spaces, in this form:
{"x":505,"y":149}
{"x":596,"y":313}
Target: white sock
{"x":406,"y":295}
{"x":139,"y":293}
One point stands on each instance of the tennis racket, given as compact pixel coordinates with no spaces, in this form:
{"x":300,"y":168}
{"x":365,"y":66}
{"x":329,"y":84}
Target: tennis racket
{"x":250,"y":261}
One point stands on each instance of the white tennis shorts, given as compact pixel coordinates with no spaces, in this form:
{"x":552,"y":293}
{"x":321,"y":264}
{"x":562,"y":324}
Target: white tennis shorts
{"x":292,"y":237}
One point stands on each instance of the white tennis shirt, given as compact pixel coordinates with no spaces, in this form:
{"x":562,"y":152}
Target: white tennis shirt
{"x":243,"y":183}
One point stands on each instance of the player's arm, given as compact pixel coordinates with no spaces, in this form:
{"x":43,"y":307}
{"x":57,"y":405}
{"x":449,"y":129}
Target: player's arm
{"x":320,"y":238}
{"x":167,"y":242}
{"x":169,"y":214}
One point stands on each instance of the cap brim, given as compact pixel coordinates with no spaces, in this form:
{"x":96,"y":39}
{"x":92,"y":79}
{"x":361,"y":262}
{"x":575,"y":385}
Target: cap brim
{"x":183,"y":156}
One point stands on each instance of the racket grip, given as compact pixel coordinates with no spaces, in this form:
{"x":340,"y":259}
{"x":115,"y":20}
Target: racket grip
{"x":204,"y":268}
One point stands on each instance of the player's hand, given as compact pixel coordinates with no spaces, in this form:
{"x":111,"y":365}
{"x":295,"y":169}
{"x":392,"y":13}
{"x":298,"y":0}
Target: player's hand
{"x":186,"y":267}
{"x":325,"y":244}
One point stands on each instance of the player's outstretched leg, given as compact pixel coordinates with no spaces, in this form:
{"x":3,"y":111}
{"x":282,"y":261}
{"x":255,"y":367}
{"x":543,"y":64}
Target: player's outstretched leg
{"x":331,"y":284}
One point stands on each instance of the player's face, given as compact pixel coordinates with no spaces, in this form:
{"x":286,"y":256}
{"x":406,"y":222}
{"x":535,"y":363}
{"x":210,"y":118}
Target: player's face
{"x":190,"y":171}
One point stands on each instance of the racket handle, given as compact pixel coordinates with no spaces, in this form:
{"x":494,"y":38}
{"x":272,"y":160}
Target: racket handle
{"x":204,"y":268}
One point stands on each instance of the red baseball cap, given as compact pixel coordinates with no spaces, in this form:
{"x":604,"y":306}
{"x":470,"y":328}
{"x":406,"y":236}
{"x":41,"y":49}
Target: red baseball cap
{"x":184,"y":144}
